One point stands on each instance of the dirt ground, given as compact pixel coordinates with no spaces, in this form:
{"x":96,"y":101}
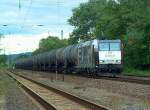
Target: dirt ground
{"x":115,"y":95}
{"x":11,"y":96}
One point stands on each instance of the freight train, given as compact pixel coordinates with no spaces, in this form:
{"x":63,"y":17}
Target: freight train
{"x":92,"y":57}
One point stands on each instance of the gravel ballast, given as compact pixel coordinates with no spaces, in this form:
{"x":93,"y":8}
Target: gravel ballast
{"x":113,"y":94}
{"x":124,"y":88}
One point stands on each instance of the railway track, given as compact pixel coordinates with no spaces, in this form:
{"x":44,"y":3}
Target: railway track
{"x":130,"y":79}
{"x":54,"y":99}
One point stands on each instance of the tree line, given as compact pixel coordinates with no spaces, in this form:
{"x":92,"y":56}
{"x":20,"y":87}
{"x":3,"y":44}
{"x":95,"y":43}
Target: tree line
{"x":49,"y":43}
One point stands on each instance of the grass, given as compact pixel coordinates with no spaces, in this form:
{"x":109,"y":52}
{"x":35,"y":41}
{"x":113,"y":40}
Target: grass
{"x":5,"y":83}
{"x":136,"y":72}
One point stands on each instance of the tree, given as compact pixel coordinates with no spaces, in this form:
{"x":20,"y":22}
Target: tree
{"x":85,"y":18}
{"x":3,"y":59}
{"x":50,"y":43}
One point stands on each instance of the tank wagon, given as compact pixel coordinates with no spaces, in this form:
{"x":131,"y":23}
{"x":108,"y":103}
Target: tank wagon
{"x":94,"y":56}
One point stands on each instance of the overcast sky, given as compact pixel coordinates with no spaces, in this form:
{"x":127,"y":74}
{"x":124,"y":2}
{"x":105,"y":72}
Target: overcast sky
{"x":19,"y":22}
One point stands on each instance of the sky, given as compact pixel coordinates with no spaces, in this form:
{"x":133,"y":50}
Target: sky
{"x":24,"y":22}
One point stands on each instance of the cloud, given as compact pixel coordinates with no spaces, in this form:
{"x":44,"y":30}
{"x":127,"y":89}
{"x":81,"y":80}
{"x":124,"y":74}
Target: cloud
{"x":9,"y":14}
{"x":12,"y":44}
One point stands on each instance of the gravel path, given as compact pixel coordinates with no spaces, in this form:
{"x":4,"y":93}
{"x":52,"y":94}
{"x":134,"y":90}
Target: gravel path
{"x":124,"y":88}
{"x":16,"y":100}
{"x":103,"y":92}
{"x":12,"y":97}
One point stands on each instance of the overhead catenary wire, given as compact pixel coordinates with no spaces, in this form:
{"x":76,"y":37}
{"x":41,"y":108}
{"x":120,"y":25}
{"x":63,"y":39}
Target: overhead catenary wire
{"x":24,"y":10}
{"x":26,"y":14}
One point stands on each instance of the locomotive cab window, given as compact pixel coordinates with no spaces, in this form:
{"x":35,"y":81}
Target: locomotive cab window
{"x":104,"y":46}
{"x":115,"y":46}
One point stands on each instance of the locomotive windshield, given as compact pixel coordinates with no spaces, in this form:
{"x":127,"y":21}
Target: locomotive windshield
{"x":115,"y":46}
{"x":104,"y":46}
{"x":109,"y":46}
